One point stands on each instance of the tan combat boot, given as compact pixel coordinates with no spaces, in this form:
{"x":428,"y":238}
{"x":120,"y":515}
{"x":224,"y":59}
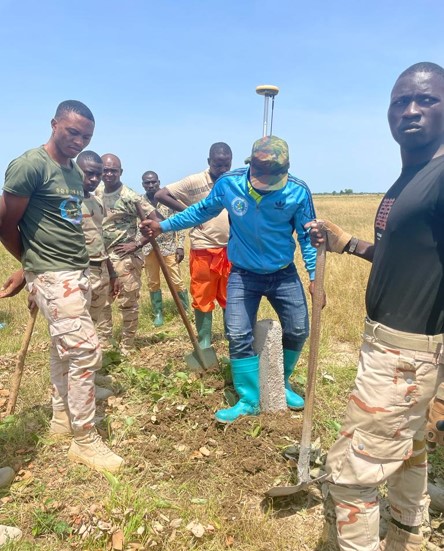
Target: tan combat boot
{"x":60,"y":425}
{"x":7,"y":475}
{"x":400,"y":540}
{"x":88,"y":448}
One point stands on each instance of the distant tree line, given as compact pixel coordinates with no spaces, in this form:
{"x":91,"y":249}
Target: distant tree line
{"x":347,"y":191}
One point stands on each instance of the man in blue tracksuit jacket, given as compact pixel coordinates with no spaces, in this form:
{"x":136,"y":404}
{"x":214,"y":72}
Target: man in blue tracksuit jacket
{"x":266,"y":205}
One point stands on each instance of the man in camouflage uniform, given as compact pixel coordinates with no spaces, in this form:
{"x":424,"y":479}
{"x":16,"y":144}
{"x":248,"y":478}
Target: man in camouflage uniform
{"x":40,"y":224}
{"x":102,"y":277}
{"x":401,"y":365}
{"x":171,"y":248}
{"x":120,"y":227}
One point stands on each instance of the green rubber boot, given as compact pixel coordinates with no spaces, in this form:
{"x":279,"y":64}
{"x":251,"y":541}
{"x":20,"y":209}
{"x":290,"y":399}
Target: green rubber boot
{"x":204,"y":322}
{"x":183,"y":295}
{"x":156,"y":303}
{"x":294,"y":401}
{"x":245,"y":373}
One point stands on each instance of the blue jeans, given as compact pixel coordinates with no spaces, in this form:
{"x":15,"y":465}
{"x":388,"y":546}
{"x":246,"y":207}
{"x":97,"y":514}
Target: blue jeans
{"x":286,"y":295}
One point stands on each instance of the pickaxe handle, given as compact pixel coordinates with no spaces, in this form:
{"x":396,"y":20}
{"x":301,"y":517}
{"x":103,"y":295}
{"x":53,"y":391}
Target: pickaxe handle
{"x":315,"y":334}
{"x":19,"y":366}
{"x":173,"y":291}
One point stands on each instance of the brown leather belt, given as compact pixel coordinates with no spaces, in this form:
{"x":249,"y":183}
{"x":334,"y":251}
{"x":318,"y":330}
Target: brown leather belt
{"x":400,"y":339}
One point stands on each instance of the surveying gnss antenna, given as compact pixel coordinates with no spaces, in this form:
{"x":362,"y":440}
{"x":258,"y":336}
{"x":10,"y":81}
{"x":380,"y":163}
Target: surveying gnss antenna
{"x":268,"y":91}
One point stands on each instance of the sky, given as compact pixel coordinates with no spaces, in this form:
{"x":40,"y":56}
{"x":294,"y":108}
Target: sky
{"x":167,"y":78}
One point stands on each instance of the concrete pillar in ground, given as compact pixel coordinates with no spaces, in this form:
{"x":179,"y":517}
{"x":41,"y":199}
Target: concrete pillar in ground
{"x":268,"y":344}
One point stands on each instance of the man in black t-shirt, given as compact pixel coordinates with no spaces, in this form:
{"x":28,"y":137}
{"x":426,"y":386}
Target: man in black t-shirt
{"x":401,"y":365}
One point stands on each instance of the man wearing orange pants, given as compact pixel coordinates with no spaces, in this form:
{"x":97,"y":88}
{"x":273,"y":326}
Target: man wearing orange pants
{"x":209,"y":266}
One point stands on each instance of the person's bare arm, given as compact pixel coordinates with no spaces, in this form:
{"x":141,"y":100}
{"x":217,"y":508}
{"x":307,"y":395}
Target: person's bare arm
{"x":364,"y":250}
{"x":12,"y":208}
{"x":13,"y":285}
{"x":165,"y":197}
{"x":129,"y":248}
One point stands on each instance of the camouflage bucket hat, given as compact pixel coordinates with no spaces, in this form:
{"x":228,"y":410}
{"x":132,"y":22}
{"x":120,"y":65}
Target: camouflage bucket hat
{"x":269,"y":163}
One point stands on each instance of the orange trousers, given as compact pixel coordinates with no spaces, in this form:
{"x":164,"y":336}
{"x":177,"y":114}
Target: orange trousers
{"x":209,"y":270}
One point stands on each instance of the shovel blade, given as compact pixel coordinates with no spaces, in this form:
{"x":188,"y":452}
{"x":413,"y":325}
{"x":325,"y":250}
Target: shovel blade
{"x":209,"y":358}
{"x":284,"y":491}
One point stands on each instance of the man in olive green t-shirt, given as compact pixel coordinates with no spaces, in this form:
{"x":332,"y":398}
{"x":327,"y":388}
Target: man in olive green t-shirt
{"x":40,"y":224}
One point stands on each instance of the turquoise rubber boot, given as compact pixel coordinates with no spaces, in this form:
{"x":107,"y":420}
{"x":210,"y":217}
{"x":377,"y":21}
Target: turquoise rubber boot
{"x":294,"y":401}
{"x":245,"y":373}
{"x":183,"y":295}
{"x":156,"y":303}
{"x":204,"y":323}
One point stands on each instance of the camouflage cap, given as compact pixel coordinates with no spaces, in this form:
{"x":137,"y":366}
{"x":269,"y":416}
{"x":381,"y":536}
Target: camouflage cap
{"x":269,"y":163}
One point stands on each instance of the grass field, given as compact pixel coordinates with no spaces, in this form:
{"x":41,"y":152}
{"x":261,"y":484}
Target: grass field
{"x":188,"y":483}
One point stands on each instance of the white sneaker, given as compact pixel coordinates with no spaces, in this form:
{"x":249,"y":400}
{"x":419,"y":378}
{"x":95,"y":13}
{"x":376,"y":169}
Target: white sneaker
{"x":9,"y":533}
{"x":88,"y":448}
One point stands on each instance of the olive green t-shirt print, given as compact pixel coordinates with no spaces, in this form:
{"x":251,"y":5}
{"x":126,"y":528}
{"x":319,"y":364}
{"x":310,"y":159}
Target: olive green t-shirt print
{"x":51,"y":227}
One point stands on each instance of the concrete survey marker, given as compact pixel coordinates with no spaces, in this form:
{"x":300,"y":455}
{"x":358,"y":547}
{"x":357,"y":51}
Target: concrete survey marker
{"x":268,"y":344}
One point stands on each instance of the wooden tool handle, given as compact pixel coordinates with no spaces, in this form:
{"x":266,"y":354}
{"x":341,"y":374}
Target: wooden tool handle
{"x":173,"y":291}
{"x":315,"y":334}
{"x":18,"y":372}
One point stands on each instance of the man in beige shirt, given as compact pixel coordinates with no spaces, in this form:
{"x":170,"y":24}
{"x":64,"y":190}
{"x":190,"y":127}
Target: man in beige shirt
{"x":209,"y":266}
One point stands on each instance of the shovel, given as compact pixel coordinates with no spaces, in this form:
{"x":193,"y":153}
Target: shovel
{"x":304,"y":453}
{"x":201,"y":358}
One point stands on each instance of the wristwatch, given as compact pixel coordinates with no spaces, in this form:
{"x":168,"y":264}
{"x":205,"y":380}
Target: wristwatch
{"x":353,"y":243}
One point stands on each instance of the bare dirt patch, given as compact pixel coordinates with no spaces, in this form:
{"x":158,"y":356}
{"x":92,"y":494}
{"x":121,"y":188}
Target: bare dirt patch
{"x":189,"y":483}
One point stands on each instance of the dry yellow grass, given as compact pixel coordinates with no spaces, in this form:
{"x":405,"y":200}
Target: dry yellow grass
{"x":150,"y":495}
{"x":346,"y":276}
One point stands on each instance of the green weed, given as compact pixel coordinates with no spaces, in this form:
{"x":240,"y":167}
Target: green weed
{"x":46,"y":521}
{"x":165,"y":385}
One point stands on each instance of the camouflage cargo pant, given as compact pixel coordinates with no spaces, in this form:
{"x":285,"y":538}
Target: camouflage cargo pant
{"x":63,"y":299}
{"x":99,"y":280}
{"x":382,"y":437}
{"x":129,"y":271}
